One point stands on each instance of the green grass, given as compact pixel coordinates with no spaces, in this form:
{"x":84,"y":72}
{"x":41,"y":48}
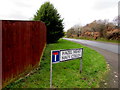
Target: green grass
{"x":100,"y":39}
{"x":66,"y":74}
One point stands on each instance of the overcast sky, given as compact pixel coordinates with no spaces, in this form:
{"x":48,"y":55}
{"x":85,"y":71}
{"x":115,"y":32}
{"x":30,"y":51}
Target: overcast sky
{"x":73,"y":11}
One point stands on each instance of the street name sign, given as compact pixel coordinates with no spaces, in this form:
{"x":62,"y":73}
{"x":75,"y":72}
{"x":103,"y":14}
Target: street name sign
{"x":65,"y":55}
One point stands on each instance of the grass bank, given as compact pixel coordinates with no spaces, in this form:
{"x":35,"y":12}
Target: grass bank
{"x":100,"y":39}
{"x":66,"y":74}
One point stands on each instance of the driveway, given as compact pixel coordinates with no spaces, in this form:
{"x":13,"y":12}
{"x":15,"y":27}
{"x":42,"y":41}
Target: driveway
{"x":111,"y":52}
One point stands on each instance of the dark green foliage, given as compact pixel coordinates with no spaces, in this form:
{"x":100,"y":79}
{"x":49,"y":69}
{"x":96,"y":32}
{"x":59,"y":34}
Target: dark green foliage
{"x":49,"y":15}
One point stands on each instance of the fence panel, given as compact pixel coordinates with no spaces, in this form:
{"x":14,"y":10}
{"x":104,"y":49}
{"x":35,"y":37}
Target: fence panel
{"x":22,"y":46}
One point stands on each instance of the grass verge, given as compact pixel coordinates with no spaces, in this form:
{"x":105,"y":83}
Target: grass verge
{"x":100,"y":39}
{"x":66,"y":74}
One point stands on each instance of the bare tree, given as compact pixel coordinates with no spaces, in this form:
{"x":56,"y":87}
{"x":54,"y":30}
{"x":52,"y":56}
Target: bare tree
{"x":116,"y":20}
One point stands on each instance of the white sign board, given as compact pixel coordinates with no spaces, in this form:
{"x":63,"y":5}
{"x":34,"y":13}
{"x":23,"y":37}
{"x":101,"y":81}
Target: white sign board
{"x":64,"y":55}
{"x":70,"y":54}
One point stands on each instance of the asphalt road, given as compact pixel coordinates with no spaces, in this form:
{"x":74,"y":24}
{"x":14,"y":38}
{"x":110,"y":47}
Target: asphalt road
{"x":111,"y":52}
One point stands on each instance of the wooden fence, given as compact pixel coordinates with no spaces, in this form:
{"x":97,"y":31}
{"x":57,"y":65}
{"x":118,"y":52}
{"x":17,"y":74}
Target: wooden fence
{"x":23,"y":43}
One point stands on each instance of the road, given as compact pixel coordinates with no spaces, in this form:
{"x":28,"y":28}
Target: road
{"x":111,"y":52}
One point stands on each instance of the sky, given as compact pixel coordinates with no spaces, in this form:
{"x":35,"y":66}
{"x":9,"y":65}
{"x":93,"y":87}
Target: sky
{"x":74,"y":12}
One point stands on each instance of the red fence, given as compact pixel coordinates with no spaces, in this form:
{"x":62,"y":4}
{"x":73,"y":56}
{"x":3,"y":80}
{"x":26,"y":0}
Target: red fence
{"x":0,"y":55}
{"x":22,"y":46}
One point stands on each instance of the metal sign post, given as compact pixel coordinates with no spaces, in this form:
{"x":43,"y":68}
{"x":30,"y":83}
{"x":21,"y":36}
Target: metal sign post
{"x":65,"y":55}
{"x":80,"y":65}
{"x":81,"y":62}
{"x":51,"y":71}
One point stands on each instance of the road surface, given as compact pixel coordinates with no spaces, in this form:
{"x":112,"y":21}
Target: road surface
{"x":111,"y":52}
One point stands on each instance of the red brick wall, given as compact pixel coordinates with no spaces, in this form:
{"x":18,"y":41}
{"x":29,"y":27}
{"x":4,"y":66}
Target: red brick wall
{"x":22,"y":46}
